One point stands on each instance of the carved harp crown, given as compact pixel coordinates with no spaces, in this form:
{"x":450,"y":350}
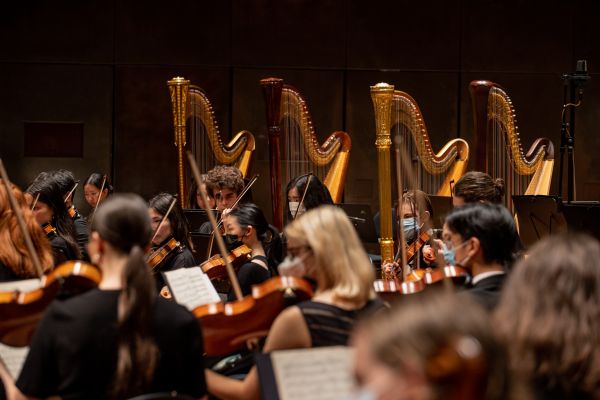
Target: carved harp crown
{"x":498,"y":146}
{"x":194,"y":117}
{"x":294,"y":148}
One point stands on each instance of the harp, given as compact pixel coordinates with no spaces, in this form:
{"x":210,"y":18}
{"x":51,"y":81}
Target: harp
{"x":498,"y":147}
{"x":294,"y":148}
{"x":398,"y":114}
{"x":194,"y":118}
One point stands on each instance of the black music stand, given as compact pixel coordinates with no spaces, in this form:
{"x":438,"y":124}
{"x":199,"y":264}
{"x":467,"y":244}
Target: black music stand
{"x":362,"y":219}
{"x":201,"y":242}
{"x":538,"y":216}
{"x":441,"y":205}
{"x":195,"y":218}
{"x":583,"y":216}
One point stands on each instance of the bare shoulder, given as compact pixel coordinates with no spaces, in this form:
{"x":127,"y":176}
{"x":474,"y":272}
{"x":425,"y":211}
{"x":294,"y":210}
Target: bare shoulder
{"x":289,"y":331}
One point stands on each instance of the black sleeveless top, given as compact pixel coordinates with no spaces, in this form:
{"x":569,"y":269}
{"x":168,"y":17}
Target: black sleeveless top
{"x":330,"y":325}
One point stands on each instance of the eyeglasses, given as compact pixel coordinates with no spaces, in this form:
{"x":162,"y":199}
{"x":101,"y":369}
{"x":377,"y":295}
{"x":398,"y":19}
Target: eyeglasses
{"x":296,"y":251}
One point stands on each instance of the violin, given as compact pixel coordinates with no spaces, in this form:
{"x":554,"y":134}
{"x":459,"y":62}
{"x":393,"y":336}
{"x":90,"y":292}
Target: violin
{"x":21,"y":311}
{"x":158,"y":256}
{"x":72,"y":211}
{"x":215,"y":267}
{"x":389,"y":290}
{"x":226,"y":327}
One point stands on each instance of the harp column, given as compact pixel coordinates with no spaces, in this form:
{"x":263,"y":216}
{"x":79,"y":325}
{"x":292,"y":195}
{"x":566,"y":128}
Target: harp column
{"x":179,"y":88}
{"x":381,"y":94}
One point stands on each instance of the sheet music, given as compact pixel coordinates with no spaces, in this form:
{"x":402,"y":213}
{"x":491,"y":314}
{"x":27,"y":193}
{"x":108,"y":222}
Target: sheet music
{"x":323,"y":373}
{"x":25,"y":285}
{"x":191,"y":287}
{"x":13,"y":358}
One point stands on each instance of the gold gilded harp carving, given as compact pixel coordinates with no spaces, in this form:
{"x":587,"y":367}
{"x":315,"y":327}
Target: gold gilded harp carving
{"x":398,"y":114}
{"x":498,"y":146}
{"x":294,"y":148}
{"x":194,"y":118}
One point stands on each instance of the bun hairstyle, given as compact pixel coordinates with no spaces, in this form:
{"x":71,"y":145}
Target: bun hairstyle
{"x":477,"y":186}
{"x":249,"y":214}
{"x":123,"y":222}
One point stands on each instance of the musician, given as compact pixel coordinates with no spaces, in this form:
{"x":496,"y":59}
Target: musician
{"x":174,"y":227}
{"x":51,"y":213}
{"x":247,"y":224}
{"x":15,"y":260}
{"x":91,"y":190}
{"x":66,"y":182}
{"x":417,"y":212}
{"x":225,"y":184}
{"x":324,"y":245}
{"x":475,"y":186}
{"x":317,"y":194}
{"x":120,"y":340}
{"x":482,"y":238}
{"x":548,"y":317}
{"x":194,"y":200}
{"x":434,"y":347}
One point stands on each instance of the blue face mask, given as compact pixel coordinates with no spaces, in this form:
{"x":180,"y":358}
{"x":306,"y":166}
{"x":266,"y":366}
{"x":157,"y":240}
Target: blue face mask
{"x":449,"y":256}
{"x":409,"y":225}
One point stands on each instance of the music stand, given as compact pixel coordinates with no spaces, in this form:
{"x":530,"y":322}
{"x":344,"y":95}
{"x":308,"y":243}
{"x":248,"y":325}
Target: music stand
{"x":195,"y":218}
{"x":583,"y":216}
{"x":201,"y":242}
{"x":441,"y":206}
{"x":538,"y":216}
{"x":362,"y":219}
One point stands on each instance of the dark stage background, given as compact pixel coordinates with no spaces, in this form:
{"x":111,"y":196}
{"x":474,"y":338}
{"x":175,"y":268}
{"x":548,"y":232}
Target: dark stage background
{"x":102,"y":67}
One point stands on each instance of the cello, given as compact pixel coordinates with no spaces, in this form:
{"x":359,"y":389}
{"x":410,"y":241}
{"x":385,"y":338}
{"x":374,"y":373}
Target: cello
{"x":21,"y":310}
{"x":229,"y":326}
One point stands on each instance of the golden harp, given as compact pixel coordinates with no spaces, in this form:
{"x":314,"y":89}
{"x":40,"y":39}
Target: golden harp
{"x":294,"y":148}
{"x":397,"y":114}
{"x":498,"y":146}
{"x":194,"y":118}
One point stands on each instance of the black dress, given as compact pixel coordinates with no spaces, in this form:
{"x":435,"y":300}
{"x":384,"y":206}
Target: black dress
{"x":330,"y":325}
{"x":250,"y":274}
{"x":73,"y":353}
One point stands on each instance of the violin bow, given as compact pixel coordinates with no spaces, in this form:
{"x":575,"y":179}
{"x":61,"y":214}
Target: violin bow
{"x":37,"y":197}
{"x":164,"y":218}
{"x":230,"y":271}
{"x":98,"y":199}
{"x":71,"y":191}
{"x":401,"y":245}
{"x":310,"y":175}
{"x":21,"y":220}
{"x":242,"y":193}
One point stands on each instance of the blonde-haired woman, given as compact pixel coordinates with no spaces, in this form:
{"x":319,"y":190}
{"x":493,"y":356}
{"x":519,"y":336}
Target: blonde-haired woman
{"x":322,"y":245}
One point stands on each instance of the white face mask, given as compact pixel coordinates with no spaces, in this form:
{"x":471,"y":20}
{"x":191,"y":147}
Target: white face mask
{"x":292,"y":266}
{"x":294,"y":207}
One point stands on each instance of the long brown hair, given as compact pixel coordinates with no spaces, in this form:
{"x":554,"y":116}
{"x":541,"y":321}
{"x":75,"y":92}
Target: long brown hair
{"x":13,"y":251}
{"x":549,"y":316}
{"x":122,"y":220}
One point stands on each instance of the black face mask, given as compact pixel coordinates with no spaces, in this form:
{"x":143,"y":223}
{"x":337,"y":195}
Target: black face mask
{"x":231,"y":239}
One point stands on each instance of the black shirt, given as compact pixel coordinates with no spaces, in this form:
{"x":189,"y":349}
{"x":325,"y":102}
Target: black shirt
{"x":250,"y":274}
{"x":486,"y":292}
{"x":61,"y":251}
{"x":182,"y":258}
{"x":7,"y":274}
{"x":74,"y":349}
{"x":81,"y":235}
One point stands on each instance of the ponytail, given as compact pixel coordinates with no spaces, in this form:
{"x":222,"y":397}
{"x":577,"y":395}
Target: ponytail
{"x":137,"y":351}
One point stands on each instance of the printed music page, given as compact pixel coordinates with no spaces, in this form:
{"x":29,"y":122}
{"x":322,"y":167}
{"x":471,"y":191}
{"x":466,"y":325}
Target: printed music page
{"x":25,"y":285}
{"x":191,"y":287}
{"x":323,"y":373}
{"x":13,"y":358}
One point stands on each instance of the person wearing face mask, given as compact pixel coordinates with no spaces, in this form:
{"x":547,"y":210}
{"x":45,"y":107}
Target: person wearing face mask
{"x":316,"y":194}
{"x":331,"y":253}
{"x":482,"y":238}
{"x":417,"y":212}
{"x":246,"y":224}
{"x":179,"y":254}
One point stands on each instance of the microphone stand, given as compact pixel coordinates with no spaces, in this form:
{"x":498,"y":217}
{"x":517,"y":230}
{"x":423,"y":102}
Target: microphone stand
{"x":572,"y":96}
